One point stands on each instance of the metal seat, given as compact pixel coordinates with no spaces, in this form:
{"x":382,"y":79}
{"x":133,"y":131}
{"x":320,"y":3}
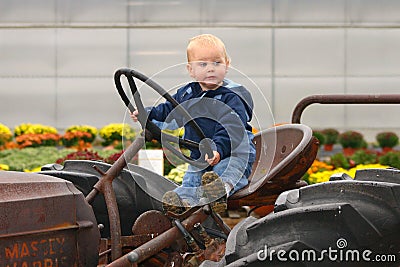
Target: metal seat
{"x":284,"y":154}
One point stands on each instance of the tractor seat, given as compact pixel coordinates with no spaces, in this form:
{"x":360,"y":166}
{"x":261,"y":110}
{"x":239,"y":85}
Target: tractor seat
{"x":284,"y":154}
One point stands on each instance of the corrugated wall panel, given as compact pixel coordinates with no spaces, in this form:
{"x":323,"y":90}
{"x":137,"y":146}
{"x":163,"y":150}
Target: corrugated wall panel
{"x":63,"y":54}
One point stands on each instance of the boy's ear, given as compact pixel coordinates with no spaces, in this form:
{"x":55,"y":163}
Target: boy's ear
{"x":227,"y":65}
{"x":189,"y":69}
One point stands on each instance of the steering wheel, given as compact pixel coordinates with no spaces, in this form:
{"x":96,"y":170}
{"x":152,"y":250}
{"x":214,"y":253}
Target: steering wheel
{"x":205,"y":144}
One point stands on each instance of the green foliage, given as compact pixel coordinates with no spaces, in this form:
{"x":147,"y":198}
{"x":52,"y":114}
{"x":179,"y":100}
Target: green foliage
{"x":387,"y":139}
{"x":320,"y":136}
{"x":391,"y":158}
{"x":339,"y":161}
{"x":105,"y":153}
{"x":30,"y":158}
{"x":153,"y":144}
{"x":364,"y":144}
{"x":351,"y":139}
{"x":331,"y":135}
{"x":363,"y":157}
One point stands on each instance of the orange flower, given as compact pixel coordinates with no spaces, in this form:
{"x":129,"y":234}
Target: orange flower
{"x":319,"y":166}
{"x":34,"y":140}
{"x":74,"y":138}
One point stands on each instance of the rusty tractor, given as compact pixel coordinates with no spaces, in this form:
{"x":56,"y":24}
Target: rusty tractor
{"x":89,"y":213}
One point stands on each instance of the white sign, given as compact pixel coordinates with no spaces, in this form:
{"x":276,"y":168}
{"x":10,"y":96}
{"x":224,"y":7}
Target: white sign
{"x":152,"y":159}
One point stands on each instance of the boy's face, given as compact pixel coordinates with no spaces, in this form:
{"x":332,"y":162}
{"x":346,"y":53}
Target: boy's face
{"x":208,"y":66}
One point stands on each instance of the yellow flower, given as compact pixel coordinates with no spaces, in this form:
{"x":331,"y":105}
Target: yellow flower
{"x":27,"y":128}
{"x":4,"y":129}
{"x":177,"y":132}
{"x":323,"y":176}
{"x":176,"y":174}
{"x":37,"y":169}
{"x":4,"y":167}
{"x":116,"y":132}
{"x":5,"y":134}
{"x":82,"y":128}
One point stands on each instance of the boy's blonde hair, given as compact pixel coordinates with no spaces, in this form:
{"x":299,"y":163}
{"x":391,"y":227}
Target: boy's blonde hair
{"x":205,"y":40}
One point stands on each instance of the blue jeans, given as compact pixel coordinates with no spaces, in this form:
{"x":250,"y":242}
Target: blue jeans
{"x":232,"y":170}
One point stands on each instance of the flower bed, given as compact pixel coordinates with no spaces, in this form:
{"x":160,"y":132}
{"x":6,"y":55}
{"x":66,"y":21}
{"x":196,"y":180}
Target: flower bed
{"x":35,"y":145}
{"x":35,"y":140}
{"x":45,"y":145}
{"x":28,"y":128}
{"x":324,"y":175}
{"x":77,"y":136}
{"x":116,"y":132}
{"x":32,"y":158}
{"x":86,"y":133}
{"x":320,"y":171}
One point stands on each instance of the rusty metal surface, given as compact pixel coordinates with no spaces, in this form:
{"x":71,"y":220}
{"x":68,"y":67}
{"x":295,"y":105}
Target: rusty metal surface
{"x":175,"y":259}
{"x":163,"y":259}
{"x":214,"y":247}
{"x":151,"y":222}
{"x":45,"y":221}
{"x":104,"y":252}
{"x":104,"y":185}
{"x":32,"y":202}
{"x":53,"y":248}
{"x":162,"y":241}
{"x":342,"y":99}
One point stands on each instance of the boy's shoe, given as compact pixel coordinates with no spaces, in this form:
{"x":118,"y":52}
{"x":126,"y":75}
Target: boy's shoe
{"x":172,"y":202}
{"x":214,"y":190}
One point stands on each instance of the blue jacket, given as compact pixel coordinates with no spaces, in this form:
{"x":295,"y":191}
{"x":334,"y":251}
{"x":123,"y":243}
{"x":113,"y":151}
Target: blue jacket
{"x":222,"y":114}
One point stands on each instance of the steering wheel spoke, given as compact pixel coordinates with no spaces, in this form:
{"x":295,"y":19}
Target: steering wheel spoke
{"x":156,"y":133}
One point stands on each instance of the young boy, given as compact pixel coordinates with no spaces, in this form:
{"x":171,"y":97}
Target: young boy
{"x":222,"y":109}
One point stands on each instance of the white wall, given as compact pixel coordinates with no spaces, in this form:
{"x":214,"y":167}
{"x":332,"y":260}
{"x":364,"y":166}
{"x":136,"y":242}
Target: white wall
{"x":57,"y":58}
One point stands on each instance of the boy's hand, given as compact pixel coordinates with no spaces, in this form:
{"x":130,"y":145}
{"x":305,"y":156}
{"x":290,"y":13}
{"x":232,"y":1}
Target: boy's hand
{"x":134,"y":115}
{"x":214,"y":160}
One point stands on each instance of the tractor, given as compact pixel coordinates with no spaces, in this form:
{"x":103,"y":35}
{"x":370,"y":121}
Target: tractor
{"x":89,"y":213}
